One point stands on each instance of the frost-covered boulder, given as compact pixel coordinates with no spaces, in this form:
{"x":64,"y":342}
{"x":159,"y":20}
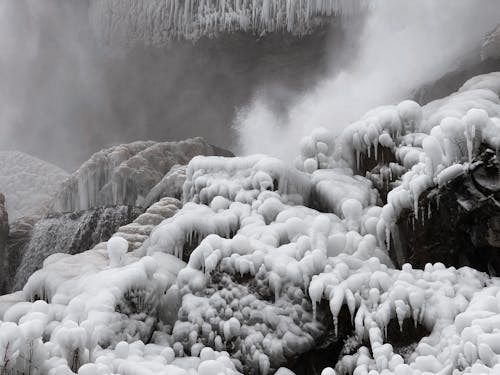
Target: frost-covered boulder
{"x":126,"y":174}
{"x":28,"y":183}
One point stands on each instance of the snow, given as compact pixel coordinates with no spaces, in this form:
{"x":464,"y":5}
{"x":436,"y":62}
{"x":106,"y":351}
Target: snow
{"x":28,"y":183}
{"x":117,"y":248}
{"x":229,"y":279}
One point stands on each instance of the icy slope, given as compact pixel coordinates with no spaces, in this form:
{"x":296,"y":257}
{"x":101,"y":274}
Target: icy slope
{"x":27,"y":183}
{"x":265,"y":262}
{"x":158,"y":22}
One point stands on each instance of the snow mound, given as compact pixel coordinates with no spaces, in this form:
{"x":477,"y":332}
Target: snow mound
{"x":28,"y":183}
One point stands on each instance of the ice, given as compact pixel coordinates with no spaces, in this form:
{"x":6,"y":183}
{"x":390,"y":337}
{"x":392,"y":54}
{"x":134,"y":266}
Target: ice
{"x":158,"y":23}
{"x":234,"y":276}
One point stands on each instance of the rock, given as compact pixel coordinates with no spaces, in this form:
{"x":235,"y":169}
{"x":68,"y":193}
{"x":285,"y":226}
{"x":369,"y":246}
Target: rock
{"x":467,"y":212}
{"x":18,"y":240}
{"x":126,"y":174}
{"x":69,"y":233}
{"x":4,"y":234}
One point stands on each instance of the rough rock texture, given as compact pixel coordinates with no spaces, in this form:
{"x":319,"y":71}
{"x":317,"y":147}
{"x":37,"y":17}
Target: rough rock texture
{"x":69,"y":233}
{"x":125,"y":174}
{"x":467,"y":213}
{"x":139,"y":230}
{"x":4,"y":233}
{"x":19,"y":237}
{"x":27,"y":183}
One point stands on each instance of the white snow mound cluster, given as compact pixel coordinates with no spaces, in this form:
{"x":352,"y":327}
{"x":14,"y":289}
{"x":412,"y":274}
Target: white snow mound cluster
{"x":236,"y":280}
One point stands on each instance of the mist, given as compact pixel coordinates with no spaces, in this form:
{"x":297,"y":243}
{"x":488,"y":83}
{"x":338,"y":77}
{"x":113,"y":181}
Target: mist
{"x":402,"y":45}
{"x":65,"y":94}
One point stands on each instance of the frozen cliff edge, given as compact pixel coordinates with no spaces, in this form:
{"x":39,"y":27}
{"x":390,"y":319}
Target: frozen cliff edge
{"x":159,"y":22}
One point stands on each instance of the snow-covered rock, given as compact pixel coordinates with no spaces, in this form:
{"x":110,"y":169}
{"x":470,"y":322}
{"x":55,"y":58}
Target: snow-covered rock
{"x":69,"y":233}
{"x":28,"y":183}
{"x":125,"y":174}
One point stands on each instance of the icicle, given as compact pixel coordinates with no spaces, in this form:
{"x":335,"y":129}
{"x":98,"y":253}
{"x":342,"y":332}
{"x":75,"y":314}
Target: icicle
{"x":388,"y":236}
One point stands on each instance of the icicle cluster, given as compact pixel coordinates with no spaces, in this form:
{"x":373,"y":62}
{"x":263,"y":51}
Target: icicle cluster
{"x":158,"y":22}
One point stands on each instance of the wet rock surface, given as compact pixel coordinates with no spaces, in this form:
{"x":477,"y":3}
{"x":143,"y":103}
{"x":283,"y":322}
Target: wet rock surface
{"x":467,"y":212}
{"x":69,"y":233}
{"x":4,"y":234}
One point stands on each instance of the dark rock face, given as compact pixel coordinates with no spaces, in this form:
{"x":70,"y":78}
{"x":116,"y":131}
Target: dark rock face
{"x":329,"y":347}
{"x":4,"y":234}
{"x":467,"y":213}
{"x":17,"y":242}
{"x":69,"y":233}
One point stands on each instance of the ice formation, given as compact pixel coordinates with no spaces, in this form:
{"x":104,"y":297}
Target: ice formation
{"x":125,"y":174}
{"x":158,"y":22}
{"x":244,"y":274}
{"x":28,"y":183}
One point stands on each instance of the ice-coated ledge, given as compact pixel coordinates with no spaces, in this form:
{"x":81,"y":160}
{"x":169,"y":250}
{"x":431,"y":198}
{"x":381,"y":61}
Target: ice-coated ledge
{"x":158,"y":22}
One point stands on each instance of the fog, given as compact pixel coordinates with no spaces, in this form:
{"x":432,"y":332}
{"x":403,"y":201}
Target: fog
{"x":403,"y":44}
{"x":64,"y":94}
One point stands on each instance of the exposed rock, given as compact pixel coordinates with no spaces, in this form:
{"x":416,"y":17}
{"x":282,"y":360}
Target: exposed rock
{"x":18,"y":240}
{"x":125,"y":174}
{"x":69,"y":233}
{"x":4,"y":234}
{"x":27,"y":182}
{"x":467,"y":212}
